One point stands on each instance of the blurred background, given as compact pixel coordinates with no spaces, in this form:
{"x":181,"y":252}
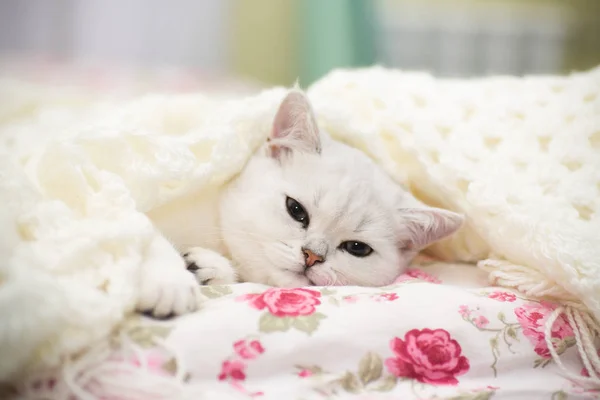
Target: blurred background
{"x":195,"y":44}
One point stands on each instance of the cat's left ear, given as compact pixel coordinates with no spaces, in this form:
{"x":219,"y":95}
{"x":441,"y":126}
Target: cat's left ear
{"x":424,"y":226}
{"x":294,"y":127}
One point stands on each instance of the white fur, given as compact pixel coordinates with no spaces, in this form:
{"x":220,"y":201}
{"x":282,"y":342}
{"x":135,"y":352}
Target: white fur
{"x":347,"y":196}
{"x":165,"y":286}
{"x":213,"y":268}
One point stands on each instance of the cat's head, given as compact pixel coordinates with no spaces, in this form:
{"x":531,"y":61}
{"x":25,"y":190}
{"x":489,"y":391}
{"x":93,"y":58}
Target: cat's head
{"x":309,"y":210}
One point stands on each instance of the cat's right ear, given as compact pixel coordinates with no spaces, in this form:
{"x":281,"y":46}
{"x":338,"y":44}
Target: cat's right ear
{"x":423,"y":226}
{"x":294,"y":127}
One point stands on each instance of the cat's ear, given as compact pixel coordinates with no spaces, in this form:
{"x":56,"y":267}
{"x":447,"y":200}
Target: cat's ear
{"x":294,"y":127}
{"x":424,"y":226}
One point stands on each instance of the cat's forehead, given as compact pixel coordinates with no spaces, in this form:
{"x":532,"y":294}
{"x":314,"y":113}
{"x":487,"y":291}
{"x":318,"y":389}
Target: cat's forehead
{"x":335,"y":163}
{"x":344,"y":190}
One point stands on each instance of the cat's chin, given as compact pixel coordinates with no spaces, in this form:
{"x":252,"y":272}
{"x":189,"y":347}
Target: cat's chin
{"x":320,"y":278}
{"x":290,"y":280}
{"x":310,"y":278}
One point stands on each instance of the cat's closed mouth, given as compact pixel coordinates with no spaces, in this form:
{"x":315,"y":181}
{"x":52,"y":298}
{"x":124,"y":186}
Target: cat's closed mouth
{"x":301,"y":274}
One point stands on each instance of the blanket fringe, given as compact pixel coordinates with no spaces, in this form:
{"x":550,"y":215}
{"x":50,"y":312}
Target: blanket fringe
{"x":585,"y":327}
{"x":526,"y":280}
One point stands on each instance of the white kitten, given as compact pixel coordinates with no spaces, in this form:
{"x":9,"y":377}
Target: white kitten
{"x":307,"y":210}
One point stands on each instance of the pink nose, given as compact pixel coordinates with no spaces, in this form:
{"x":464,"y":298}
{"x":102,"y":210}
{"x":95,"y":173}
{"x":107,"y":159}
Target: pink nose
{"x":311,"y":258}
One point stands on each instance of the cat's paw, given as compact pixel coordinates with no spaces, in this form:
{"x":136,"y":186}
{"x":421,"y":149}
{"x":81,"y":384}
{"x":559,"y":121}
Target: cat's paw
{"x":209,"y":268}
{"x":168,"y":292}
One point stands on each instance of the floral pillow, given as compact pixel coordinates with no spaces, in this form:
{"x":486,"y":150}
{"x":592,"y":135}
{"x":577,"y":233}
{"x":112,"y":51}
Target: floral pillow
{"x":421,"y":338}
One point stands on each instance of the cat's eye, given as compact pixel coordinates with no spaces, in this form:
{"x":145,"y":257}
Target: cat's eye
{"x":356,"y":248}
{"x":296,"y":211}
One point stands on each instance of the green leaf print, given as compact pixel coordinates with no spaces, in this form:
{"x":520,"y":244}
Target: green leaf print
{"x":386,"y":384}
{"x":560,"y":395}
{"x":307,"y":323}
{"x":145,"y":335}
{"x":270,"y":323}
{"x":170,"y":366}
{"x":214,"y":292}
{"x":473,"y":396}
{"x":349,"y":382}
{"x":368,"y":378}
{"x":334,"y":301}
{"x":512,"y":333}
{"x":326,"y":291}
{"x":370,"y":368}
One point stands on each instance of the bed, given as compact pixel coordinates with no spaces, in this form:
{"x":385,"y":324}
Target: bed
{"x":444,"y":330}
{"x":441,"y":331}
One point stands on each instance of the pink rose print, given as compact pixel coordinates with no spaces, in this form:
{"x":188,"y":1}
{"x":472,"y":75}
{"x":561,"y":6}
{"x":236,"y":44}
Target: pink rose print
{"x":286,"y":302}
{"x":350,"y":299}
{"x":154,"y":360}
{"x":464,"y":311}
{"x":532,"y":318}
{"x":386,"y":297}
{"x":417,"y":274}
{"x":429,"y":356}
{"x":248,"y":349}
{"x":481,"y":321}
{"x":233,"y":369}
{"x":503,"y":296}
{"x":305,"y":373}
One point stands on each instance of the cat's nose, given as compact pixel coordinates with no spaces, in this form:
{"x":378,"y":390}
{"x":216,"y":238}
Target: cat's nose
{"x":311,"y":258}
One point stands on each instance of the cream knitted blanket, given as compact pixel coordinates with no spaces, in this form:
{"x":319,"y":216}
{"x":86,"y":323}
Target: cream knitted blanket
{"x":521,"y":157}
